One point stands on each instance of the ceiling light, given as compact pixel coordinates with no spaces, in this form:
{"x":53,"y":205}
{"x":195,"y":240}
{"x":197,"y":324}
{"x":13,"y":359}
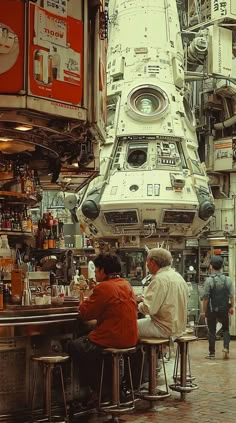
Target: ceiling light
{"x":24,"y":127}
{"x":5,"y":139}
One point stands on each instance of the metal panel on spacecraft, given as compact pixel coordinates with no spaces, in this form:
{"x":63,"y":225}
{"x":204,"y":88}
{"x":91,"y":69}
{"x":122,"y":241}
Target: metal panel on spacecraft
{"x":152,"y":182}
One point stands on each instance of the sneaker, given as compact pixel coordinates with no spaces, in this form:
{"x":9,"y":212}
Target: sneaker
{"x":210,"y":356}
{"x":225,"y":353}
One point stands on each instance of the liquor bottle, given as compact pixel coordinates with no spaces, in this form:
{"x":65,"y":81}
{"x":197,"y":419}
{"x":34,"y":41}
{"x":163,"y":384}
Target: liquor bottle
{"x":37,"y":185}
{"x":1,"y":295}
{"x":49,"y":220}
{"x":3,"y":223}
{"x":61,"y":240}
{"x":13,"y":221}
{"x":17,"y":222}
{"x":45,"y":241}
{"x":24,"y":221}
{"x":28,"y":182}
{"x":17,"y":176}
{"x":1,"y":289}
{"x":29,"y":223}
{"x":51,"y":241}
{"x":8,"y":220}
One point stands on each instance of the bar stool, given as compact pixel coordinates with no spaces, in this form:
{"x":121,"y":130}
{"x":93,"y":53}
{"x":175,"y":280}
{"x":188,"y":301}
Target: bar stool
{"x":48,"y":364}
{"x":116,"y":407}
{"x":183,"y":379}
{"x":153,"y":346}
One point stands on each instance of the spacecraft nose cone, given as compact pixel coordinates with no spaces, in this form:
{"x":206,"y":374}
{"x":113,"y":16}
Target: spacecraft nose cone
{"x":90,"y":209}
{"x":206,"y":210}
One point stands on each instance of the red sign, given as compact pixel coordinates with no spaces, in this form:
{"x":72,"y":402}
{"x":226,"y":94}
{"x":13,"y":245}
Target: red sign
{"x":55,"y":55}
{"x":100,"y":82}
{"x":12,"y":46}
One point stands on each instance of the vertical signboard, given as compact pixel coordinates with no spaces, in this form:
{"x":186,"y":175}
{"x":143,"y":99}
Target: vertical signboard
{"x":11,"y":46}
{"x":223,"y":8}
{"x":56,"y":50}
{"x":100,"y":80}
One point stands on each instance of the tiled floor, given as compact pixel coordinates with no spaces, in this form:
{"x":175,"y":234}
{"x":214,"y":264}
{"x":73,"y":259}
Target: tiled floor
{"x":213,"y":402}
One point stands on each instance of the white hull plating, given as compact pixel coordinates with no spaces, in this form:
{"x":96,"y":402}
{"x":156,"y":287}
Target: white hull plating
{"x":152,"y":183}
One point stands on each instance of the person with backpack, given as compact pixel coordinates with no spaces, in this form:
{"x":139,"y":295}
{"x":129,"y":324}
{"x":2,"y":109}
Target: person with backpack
{"x":218,"y":303}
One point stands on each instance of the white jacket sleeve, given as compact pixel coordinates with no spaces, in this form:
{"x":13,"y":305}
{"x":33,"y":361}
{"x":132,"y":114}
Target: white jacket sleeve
{"x":154,"y":297}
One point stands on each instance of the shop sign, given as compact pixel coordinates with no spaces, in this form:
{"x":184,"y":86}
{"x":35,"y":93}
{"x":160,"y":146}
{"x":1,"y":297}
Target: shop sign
{"x":220,"y":8}
{"x":100,"y":82}
{"x":11,"y":46}
{"x":55,"y":53}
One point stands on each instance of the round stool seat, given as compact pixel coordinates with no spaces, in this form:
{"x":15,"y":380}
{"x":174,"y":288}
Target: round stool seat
{"x":47,"y":364}
{"x":154,"y":341}
{"x":119,"y":350}
{"x":186,"y":338}
{"x":51,"y":358}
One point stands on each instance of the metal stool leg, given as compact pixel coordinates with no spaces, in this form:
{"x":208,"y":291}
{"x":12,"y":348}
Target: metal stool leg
{"x":183,"y":381}
{"x":131,"y":381}
{"x":101,"y":384}
{"x":63,"y":392}
{"x":34,"y":389}
{"x":48,"y":399}
{"x":152,"y":369}
{"x":141,"y":371}
{"x":164,"y":369}
{"x":115,"y":379}
{"x":183,"y":367}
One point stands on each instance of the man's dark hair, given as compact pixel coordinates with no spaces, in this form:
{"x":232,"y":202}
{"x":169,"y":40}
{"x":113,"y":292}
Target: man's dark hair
{"x":109,"y":263}
{"x":216,"y":262}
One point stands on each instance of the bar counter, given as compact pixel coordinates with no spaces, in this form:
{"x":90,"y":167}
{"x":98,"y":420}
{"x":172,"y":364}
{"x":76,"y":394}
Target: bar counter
{"x":26,"y":331}
{"x":43,"y":313}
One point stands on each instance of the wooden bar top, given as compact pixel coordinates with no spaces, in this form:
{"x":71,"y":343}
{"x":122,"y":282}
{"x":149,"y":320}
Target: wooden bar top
{"x":12,"y":314}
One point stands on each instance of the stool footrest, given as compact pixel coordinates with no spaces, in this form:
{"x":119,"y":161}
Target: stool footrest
{"x":187,"y":388}
{"x":54,"y":419}
{"x":153,"y":397}
{"x":114,"y":410}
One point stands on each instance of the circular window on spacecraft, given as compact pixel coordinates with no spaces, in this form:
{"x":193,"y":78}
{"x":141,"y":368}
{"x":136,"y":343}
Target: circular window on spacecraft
{"x":137,"y":158}
{"x":148,"y":102}
{"x":188,"y":112}
{"x":133,"y":188}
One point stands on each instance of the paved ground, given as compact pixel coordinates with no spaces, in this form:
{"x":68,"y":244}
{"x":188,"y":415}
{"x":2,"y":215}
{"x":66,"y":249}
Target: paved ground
{"x":213,"y":402}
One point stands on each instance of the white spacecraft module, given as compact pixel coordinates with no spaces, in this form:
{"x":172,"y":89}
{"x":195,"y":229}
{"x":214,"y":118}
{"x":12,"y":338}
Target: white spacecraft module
{"x":152,"y":183}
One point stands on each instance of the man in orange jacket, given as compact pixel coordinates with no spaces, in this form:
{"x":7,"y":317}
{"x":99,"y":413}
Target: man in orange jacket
{"x":113,"y":305}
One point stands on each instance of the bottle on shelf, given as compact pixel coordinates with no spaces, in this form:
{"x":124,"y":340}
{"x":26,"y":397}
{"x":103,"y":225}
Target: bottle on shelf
{"x":29,"y":223}
{"x":24,"y":225}
{"x":51,"y":240}
{"x":45,"y":241}
{"x":61,"y":235}
{"x":1,"y":289}
{"x":17,"y":175}
{"x":49,"y":220}
{"x":61,"y":240}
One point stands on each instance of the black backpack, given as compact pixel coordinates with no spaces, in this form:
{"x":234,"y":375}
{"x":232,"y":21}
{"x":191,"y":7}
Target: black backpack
{"x":219,"y":298}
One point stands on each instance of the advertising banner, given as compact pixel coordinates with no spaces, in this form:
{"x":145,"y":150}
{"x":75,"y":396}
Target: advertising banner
{"x":223,"y":8}
{"x":100,"y":81}
{"x":11,"y":46}
{"x":55,"y":52}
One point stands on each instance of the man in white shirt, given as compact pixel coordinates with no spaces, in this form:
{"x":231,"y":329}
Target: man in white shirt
{"x":165,"y":300}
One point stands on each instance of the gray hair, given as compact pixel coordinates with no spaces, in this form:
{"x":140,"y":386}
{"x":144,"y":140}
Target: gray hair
{"x":161,"y":256}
